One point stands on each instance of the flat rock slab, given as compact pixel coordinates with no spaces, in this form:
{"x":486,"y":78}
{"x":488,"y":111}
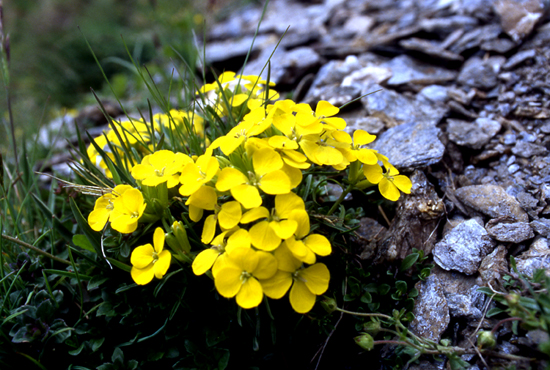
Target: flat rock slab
{"x":491,"y":200}
{"x":472,"y":134}
{"x":463,"y":248}
{"x":431,"y":313}
{"x":412,"y":145}
{"x":405,"y":70}
{"x":494,"y":266}
{"x":400,"y":107}
{"x":514,"y":232}
{"x":536,"y":257}
{"x":481,"y":73}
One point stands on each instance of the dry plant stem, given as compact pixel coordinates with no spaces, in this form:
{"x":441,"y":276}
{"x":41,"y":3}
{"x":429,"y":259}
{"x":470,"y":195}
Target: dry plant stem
{"x":498,"y":324}
{"x":37,"y":250}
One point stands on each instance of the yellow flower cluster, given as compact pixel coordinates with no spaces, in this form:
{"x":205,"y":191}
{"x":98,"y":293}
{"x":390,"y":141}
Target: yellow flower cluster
{"x":246,"y":183}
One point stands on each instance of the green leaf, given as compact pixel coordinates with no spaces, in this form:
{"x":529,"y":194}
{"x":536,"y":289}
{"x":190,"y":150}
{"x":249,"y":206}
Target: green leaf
{"x":409,"y":261}
{"x":383,"y":289}
{"x":96,"y":281}
{"x":76,"y":352}
{"x":366,"y":298}
{"x":494,"y":311}
{"x":96,"y":343}
{"x":82,"y":241}
{"x":67,"y":274}
{"x":93,"y":237}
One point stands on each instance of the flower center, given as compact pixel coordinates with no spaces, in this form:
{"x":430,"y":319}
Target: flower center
{"x":245,"y":276}
{"x":160,"y":173}
{"x":134,"y":215}
{"x":110,"y":206}
{"x":155,"y":257}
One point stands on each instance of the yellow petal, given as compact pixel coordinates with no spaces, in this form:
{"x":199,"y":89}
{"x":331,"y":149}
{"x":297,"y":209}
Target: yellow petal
{"x":247,"y":195}
{"x":254,"y":214}
{"x":324,"y":108}
{"x":230,"y":215}
{"x":228,"y":281}
{"x":162,"y":264}
{"x":158,"y":239}
{"x":204,"y":198}
{"x":373,"y":173}
{"x":251,"y":293}
{"x":362,"y":137}
{"x":267,"y":265}
{"x":318,"y":244}
{"x":209,"y":229}
{"x":388,"y":190}
{"x":195,"y":213}
{"x":301,"y":298}
{"x":285,"y":259}
{"x":284,"y":228}
{"x":302,"y":218}
{"x":276,"y":182}
{"x":316,"y":278}
{"x":403,"y":183}
{"x":277,"y":286}
{"x":204,"y":261}
{"x":229,"y":178}
{"x":142,"y":256}
{"x":98,"y":218}
{"x":142,"y":276}
{"x":263,"y":237}
{"x":286,"y":203}
{"x":266,"y":160}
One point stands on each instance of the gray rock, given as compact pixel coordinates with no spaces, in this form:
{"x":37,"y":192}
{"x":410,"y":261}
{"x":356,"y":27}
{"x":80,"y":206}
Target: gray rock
{"x":518,"y":17}
{"x":472,"y":134}
{"x":491,"y":200}
{"x":506,"y":231}
{"x":406,"y":70}
{"x":494,"y":266}
{"x":435,"y":93}
{"x":461,"y":292}
{"x":536,"y":257}
{"x":430,"y":310}
{"x":220,"y":51}
{"x":518,"y":58}
{"x":499,"y":45}
{"x":527,"y":150}
{"x":371,"y":124}
{"x":402,"y":108}
{"x":287,"y":67}
{"x":481,"y":73}
{"x":411,"y":145}
{"x":541,"y":226}
{"x":430,"y":48}
{"x":463,"y":248}
{"x":475,"y":38}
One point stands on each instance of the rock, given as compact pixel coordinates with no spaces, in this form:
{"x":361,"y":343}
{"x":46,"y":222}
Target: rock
{"x":475,"y":37}
{"x":287,"y":67}
{"x":463,"y":248}
{"x":481,"y":73}
{"x":518,"y":17}
{"x":494,"y":266}
{"x":430,"y":48}
{"x":491,"y":200}
{"x":435,"y":93}
{"x":541,"y":226}
{"x":431,"y":313}
{"x":370,"y":232}
{"x":500,"y":45}
{"x":411,"y":145}
{"x":528,"y":150}
{"x":472,"y":135}
{"x":368,"y":75}
{"x":506,"y":230}
{"x":518,"y":58}
{"x":371,"y":124}
{"x":461,"y":292}
{"x":536,"y":257}
{"x":406,"y":70}
{"x":414,"y":226}
{"x":401,"y":108}
{"x":221,"y":51}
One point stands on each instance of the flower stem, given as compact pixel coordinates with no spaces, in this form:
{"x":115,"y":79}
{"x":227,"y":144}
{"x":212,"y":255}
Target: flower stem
{"x":340,"y":199}
{"x":37,"y":250}
{"x":381,"y":315}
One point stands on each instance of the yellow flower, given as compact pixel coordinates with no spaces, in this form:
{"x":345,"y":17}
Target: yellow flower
{"x":215,"y":256}
{"x":161,"y":166}
{"x":103,"y":208}
{"x":305,"y":246}
{"x":307,"y":283}
{"x":267,"y":176}
{"x":239,"y":277}
{"x":127,"y":209}
{"x":355,"y":151}
{"x":389,"y":182}
{"x":194,"y":175}
{"x":150,"y":261}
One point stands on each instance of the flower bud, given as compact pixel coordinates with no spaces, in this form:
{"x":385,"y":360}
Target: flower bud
{"x":512,"y":299}
{"x":329,"y":304}
{"x":177,"y":239}
{"x":486,"y":339}
{"x":372,"y":327}
{"x":365,"y":341}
